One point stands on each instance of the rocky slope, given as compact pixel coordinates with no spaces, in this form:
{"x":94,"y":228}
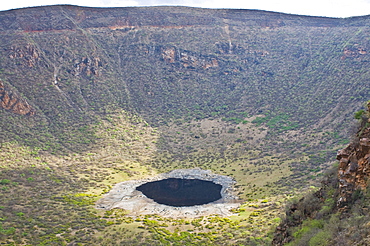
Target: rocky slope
{"x":342,"y":199}
{"x":13,"y":103}
{"x":354,"y":164}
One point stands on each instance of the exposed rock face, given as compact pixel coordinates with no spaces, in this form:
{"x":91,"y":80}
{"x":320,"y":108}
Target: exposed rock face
{"x":354,"y":166}
{"x":87,"y":66}
{"x":124,"y":195}
{"x":186,"y":59}
{"x":357,"y":52}
{"x":169,"y":54}
{"x":192,"y":61}
{"x":13,"y":103}
{"x":28,"y":54}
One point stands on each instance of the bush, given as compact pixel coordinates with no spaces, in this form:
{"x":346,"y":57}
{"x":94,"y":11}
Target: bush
{"x":358,"y":115}
{"x":4,"y":181}
{"x":320,"y":239}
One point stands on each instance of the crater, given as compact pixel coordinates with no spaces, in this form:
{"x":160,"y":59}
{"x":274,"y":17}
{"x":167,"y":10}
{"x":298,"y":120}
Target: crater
{"x":180,"y":193}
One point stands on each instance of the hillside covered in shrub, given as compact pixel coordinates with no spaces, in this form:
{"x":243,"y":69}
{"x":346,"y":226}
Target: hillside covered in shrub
{"x":90,"y":97}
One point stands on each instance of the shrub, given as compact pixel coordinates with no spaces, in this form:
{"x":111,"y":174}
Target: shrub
{"x":4,"y":181}
{"x":320,"y":239}
{"x":358,"y":115}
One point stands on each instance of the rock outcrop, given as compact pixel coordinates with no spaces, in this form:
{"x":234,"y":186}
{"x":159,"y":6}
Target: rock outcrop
{"x":12,"y":102}
{"x":357,"y":52}
{"x":187,"y":59}
{"x":87,"y":66}
{"x":28,"y":54}
{"x":354,"y":164}
{"x":340,"y":189}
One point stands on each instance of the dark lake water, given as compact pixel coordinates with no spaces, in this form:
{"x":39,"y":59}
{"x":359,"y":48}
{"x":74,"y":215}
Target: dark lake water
{"x":181,"y":192}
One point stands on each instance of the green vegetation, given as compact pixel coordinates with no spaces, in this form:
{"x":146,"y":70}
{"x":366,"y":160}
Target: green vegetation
{"x":279,"y":122}
{"x":358,"y":115}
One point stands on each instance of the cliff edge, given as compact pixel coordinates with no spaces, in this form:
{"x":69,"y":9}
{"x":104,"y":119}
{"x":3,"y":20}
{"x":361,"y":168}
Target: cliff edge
{"x":337,"y":213}
{"x":354,"y":162}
